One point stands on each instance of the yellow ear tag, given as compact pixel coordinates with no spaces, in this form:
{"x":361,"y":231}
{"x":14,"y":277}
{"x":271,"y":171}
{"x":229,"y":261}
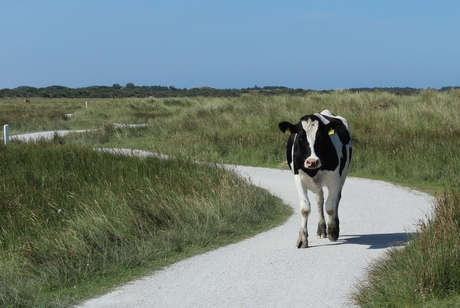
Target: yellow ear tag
{"x":331,"y":131}
{"x":287,"y":131}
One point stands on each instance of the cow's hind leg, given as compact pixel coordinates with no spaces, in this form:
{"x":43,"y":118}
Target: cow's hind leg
{"x":321,"y":233}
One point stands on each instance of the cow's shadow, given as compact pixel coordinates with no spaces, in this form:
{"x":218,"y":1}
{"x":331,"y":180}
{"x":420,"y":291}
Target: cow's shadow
{"x":377,"y":241}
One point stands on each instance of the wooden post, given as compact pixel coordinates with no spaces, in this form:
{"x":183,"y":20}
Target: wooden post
{"x":6,"y":134}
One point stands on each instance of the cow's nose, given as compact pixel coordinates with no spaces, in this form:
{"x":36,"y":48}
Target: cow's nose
{"x":312,"y":163}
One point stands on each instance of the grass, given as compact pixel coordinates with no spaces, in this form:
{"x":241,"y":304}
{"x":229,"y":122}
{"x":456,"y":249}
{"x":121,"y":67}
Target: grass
{"x":410,"y":140}
{"x":426,"y":273}
{"x":41,"y":115}
{"x":77,"y":221}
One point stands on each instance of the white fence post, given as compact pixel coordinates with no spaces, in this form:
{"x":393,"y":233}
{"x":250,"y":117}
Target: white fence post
{"x":6,"y":134}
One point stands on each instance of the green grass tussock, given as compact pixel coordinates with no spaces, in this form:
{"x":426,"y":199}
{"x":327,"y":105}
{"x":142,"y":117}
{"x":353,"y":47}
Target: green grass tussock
{"x":426,"y":272}
{"x":73,"y":217}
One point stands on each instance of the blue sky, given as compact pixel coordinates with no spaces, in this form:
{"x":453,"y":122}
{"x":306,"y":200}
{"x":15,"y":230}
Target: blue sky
{"x":223,"y":44}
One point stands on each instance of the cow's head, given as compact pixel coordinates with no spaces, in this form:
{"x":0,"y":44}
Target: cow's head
{"x":309,"y":140}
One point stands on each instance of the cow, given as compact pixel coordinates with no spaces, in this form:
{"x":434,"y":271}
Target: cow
{"x":319,"y":151}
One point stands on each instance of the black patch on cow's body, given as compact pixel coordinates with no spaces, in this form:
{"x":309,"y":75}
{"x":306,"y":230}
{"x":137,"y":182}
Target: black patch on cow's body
{"x":343,"y":159}
{"x":340,"y":129}
{"x":345,"y":139}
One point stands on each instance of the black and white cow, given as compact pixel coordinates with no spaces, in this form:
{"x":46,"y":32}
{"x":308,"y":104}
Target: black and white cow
{"x":319,"y":152}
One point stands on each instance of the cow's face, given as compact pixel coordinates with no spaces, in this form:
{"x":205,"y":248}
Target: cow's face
{"x":307,"y":140}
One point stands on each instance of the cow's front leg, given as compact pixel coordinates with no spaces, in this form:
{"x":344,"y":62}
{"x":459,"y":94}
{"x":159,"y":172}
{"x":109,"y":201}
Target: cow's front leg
{"x":332,"y":206}
{"x":302,"y":241}
{"x":319,"y":196}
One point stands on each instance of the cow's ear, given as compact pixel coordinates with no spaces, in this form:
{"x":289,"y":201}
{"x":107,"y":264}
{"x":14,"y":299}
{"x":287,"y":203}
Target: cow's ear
{"x":287,"y":128}
{"x":333,"y":126}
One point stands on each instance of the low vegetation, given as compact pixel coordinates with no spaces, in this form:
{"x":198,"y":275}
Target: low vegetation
{"x":41,"y":115}
{"x":77,"y":221}
{"x":426,"y":273}
{"x":408,"y":139}
{"x":411,"y":140}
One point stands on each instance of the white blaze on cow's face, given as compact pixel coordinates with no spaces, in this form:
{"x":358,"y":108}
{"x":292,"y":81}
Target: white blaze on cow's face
{"x":311,"y":127}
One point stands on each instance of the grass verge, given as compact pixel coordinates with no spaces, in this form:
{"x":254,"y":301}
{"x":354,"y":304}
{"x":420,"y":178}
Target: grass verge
{"x":76,"y":221}
{"x":426,"y":272}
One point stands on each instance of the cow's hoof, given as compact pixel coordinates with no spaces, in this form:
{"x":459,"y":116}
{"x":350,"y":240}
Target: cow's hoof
{"x":302,"y":244}
{"x":302,"y":240}
{"x":333,"y":234}
{"x":333,"y":231}
{"x":321,"y":233}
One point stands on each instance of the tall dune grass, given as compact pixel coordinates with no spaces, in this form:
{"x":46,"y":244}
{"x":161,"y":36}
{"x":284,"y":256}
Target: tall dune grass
{"x":40,"y":114}
{"x":407,"y":139}
{"x":74,"y":221}
{"x":426,"y":272}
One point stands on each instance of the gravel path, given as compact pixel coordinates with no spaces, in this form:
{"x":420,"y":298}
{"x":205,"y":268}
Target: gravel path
{"x":268,"y":271}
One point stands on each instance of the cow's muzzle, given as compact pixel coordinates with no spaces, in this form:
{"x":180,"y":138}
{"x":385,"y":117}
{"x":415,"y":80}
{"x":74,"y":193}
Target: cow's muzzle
{"x":312,"y":163}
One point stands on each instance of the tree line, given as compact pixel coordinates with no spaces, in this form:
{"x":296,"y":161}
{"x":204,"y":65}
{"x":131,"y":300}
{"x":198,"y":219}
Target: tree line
{"x":131,"y":90}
